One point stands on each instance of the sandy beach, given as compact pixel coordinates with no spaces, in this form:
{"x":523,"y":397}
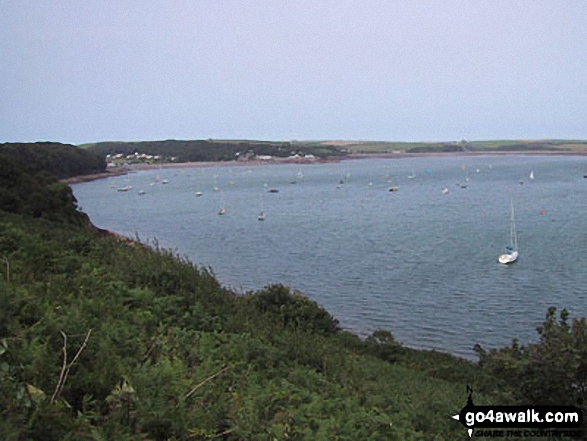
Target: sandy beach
{"x":125,"y":169}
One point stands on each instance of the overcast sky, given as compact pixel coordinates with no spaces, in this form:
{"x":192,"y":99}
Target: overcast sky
{"x":399,"y":70}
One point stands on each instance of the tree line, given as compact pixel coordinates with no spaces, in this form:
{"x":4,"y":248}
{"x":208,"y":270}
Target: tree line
{"x":204,"y":150}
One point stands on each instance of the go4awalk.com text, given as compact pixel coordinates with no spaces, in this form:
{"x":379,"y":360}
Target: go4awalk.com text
{"x":520,"y":421}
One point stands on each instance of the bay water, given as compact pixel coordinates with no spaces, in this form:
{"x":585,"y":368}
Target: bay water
{"x":420,"y":261}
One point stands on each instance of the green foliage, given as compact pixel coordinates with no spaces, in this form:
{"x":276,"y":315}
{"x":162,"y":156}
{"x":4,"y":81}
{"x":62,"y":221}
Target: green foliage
{"x":552,"y":371}
{"x":37,"y":194}
{"x":59,"y":160}
{"x":293,"y":311}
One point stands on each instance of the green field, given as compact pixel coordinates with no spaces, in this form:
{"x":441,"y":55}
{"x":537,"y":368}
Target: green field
{"x":383,"y":147}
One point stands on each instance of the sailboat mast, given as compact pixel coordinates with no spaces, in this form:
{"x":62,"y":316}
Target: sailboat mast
{"x":514,"y":236}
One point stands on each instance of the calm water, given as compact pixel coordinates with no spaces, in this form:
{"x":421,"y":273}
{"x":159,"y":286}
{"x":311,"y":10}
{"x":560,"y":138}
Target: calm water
{"x":418,"y":262}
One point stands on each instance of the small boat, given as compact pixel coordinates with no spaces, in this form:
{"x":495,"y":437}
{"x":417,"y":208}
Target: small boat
{"x":531,"y":174}
{"x":142,"y":192}
{"x":273,"y":190}
{"x":393,"y":189}
{"x":445,"y":190}
{"x":198,"y":193}
{"x":125,"y":188}
{"x":510,"y":255}
{"x":262,"y":216}
{"x":413,"y":175}
{"x":165,"y":181}
{"x":222,"y":211}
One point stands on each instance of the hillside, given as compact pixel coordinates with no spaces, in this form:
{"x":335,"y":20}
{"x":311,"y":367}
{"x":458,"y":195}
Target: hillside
{"x":209,"y":150}
{"x":60,"y":160}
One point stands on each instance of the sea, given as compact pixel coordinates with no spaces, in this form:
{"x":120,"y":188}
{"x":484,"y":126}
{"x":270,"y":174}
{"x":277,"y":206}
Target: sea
{"x":420,"y":262}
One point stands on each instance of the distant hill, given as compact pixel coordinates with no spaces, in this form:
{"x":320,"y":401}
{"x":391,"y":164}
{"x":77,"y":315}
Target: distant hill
{"x":213,"y":150}
{"x":60,"y":160}
{"x":461,"y":146}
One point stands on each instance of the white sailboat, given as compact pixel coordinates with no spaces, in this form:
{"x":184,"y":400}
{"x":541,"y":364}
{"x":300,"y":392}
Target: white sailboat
{"x":510,"y":255}
{"x":262,"y":216}
{"x":531,"y":174}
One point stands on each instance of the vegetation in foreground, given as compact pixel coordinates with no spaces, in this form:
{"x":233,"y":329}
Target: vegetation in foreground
{"x":103,"y":338}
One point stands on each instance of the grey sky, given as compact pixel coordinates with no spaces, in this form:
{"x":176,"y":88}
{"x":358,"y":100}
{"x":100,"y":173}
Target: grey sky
{"x":411,"y":70}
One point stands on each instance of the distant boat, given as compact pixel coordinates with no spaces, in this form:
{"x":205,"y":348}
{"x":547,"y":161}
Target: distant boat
{"x":531,"y":174}
{"x":125,"y":188}
{"x":198,"y":193}
{"x":165,"y":181}
{"x":393,"y":189}
{"x":222,"y":211}
{"x":273,"y":190}
{"x":445,"y":190}
{"x":262,"y":216}
{"x":510,"y":255}
{"x":142,"y":192}
{"x":413,"y":175}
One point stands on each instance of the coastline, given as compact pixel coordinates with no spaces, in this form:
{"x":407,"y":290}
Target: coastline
{"x":126,"y":169}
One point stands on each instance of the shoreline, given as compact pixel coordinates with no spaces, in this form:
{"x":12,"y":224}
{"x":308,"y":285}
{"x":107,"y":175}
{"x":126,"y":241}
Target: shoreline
{"x":126,"y":169}
{"x":130,"y":168}
{"x":129,"y":241}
